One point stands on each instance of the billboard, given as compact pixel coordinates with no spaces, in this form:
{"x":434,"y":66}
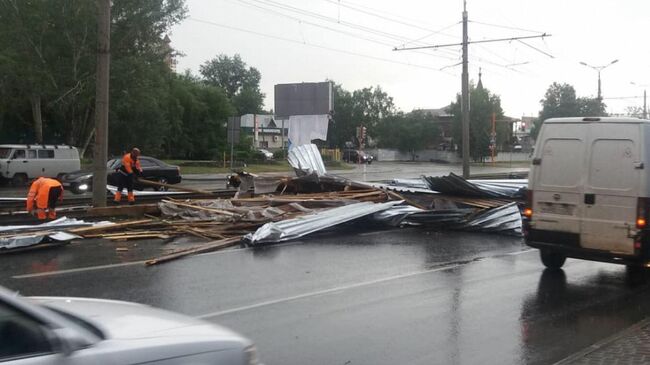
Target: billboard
{"x":306,"y":98}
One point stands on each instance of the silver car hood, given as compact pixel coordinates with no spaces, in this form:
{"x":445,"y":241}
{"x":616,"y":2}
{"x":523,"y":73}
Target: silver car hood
{"x":127,"y":321}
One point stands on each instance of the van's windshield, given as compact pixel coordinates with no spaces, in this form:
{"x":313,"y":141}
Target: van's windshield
{"x":4,"y":152}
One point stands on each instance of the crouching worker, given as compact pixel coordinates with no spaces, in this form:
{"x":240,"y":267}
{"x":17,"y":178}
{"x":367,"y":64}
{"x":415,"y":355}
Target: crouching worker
{"x":43,"y":196}
{"x":126,"y":175}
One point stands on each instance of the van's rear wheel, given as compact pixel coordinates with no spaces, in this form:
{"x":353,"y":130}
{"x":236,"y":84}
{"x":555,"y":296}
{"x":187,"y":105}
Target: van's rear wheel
{"x":19,"y":180}
{"x":552,"y":260}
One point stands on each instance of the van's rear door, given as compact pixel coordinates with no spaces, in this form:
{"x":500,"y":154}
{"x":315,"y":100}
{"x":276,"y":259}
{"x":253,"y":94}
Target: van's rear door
{"x":558,"y":183}
{"x":612,"y":187}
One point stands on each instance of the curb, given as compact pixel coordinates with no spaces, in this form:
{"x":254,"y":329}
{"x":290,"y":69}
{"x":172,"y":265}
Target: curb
{"x":603,"y":343}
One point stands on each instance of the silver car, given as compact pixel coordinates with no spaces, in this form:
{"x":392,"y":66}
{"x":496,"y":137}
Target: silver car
{"x":56,"y":330}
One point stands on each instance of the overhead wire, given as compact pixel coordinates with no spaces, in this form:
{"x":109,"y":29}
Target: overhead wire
{"x":505,"y":27}
{"x":294,"y":9}
{"x":383,"y":43}
{"x":351,"y":53}
{"x":378,"y":15}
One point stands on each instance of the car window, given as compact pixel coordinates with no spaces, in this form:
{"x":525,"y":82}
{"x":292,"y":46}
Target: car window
{"x":45,"y":153}
{"x":31,"y":154}
{"x":20,"y":335}
{"x":145,"y":162}
{"x":19,"y":154}
{"x":4,"y":152}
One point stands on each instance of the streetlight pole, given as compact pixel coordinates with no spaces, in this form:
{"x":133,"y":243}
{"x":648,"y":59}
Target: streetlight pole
{"x":599,"y":69}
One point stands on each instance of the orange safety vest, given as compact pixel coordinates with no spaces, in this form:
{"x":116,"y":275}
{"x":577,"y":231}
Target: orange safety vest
{"x":129,"y":164}
{"x":39,"y":192}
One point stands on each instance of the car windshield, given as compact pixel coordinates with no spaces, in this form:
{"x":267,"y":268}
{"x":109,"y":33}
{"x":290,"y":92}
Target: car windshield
{"x":5,"y":152}
{"x":79,"y":322}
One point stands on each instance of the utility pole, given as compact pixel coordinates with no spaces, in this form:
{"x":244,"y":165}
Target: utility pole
{"x":464,"y":100}
{"x":464,"y":103}
{"x":100,"y":152}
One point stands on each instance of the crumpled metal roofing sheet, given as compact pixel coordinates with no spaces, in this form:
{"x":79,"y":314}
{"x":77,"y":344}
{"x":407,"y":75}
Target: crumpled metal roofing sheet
{"x":504,"y":219}
{"x":457,"y":186}
{"x":294,"y":228}
{"x":306,"y":159}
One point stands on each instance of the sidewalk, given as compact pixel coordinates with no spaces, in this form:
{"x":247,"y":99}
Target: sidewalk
{"x":630,"y":346}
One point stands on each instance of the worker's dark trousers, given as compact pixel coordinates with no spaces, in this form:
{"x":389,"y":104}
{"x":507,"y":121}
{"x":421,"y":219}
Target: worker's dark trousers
{"x":53,"y":197}
{"x":125,"y":181}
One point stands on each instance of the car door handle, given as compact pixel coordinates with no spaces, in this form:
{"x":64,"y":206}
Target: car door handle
{"x":24,"y":161}
{"x":590,"y":199}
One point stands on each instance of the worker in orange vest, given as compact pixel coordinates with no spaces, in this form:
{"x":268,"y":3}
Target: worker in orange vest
{"x":43,"y":196}
{"x":126,"y":174}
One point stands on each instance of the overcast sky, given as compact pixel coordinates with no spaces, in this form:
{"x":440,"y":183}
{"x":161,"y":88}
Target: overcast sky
{"x":351,"y":41}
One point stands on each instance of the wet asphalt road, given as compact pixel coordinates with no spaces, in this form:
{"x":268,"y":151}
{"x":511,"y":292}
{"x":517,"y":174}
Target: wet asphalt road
{"x":407,"y":296}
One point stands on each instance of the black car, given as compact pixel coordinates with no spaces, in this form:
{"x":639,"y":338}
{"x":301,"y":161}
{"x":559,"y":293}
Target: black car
{"x":152,"y":169}
{"x":357,"y":156}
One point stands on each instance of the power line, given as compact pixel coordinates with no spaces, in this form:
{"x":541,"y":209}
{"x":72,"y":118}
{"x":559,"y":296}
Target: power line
{"x":439,"y":31}
{"x":535,"y":48}
{"x":301,"y":21}
{"x":314,"y":45}
{"x":362,"y":6}
{"x":272,"y":3}
{"x":473,"y":42}
{"x":377,"y":15}
{"x":506,"y":27}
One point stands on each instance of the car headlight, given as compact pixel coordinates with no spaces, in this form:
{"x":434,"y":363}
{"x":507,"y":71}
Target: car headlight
{"x":83,"y":187}
{"x":250,"y":356}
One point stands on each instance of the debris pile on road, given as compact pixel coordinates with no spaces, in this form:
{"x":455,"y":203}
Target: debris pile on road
{"x":51,"y":233}
{"x":270,"y":209}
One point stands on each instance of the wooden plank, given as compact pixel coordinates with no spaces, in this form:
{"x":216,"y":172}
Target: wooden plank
{"x":174,"y":187}
{"x":137,"y":236}
{"x":83,"y":230}
{"x":208,"y":247}
{"x":123,"y":210}
{"x":213,"y":210}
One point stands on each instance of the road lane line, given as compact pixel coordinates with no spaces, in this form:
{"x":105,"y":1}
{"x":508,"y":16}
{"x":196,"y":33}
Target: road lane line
{"x":521,"y":252}
{"x":110,"y":266}
{"x":80,"y":269}
{"x":327,"y":291}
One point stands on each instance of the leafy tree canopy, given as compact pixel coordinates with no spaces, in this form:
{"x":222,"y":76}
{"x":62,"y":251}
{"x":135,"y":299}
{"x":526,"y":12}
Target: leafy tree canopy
{"x":482,"y":104}
{"x":560,"y":101}
{"x":240,"y":82}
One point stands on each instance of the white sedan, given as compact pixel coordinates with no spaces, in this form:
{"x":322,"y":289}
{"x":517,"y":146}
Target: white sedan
{"x":56,"y":330}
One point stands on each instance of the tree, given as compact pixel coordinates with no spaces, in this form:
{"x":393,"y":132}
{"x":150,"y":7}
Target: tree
{"x":48,"y":51}
{"x":482,"y":104}
{"x":364,"y":107}
{"x":560,"y":101}
{"x":408,"y":132}
{"x":240,"y":82}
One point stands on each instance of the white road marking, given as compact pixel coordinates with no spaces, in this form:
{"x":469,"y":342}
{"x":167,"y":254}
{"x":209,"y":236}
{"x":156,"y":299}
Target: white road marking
{"x":326,"y":291}
{"x":110,"y":266}
{"x":80,"y":269}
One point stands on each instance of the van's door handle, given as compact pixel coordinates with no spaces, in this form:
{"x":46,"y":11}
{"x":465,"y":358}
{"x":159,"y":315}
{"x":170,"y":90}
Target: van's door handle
{"x":590,"y":199}
{"x":24,"y":161}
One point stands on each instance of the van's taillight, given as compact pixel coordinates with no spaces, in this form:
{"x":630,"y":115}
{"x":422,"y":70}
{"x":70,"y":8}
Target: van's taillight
{"x":528,"y":208}
{"x":642,"y":210}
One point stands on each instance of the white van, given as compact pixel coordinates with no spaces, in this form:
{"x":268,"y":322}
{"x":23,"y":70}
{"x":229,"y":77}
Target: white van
{"x":589,"y":191}
{"x":20,"y":163}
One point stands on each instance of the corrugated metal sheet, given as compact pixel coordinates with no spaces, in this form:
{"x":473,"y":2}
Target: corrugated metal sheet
{"x":457,"y":186}
{"x":306,"y":159}
{"x":294,"y":228}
